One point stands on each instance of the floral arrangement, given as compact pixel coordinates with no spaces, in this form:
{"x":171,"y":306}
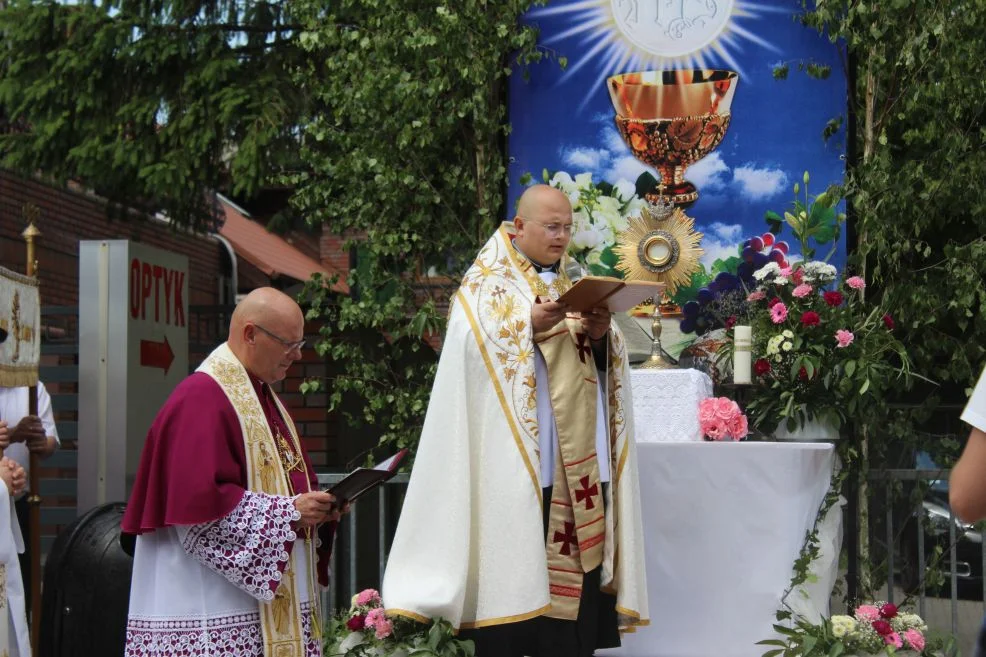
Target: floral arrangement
{"x":879,"y":628}
{"x":820,"y":352}
{"x":600,"y":211}
{"x":366,"y":631}
{"x":720,"y":418}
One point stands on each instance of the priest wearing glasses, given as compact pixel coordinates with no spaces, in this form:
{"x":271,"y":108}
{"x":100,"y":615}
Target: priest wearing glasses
{"x":232,"y":534}
{"x":521,"y":524}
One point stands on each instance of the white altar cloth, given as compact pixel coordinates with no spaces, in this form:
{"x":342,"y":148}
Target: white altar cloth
{"x":665,"y":404}
{"x":723,"y":524}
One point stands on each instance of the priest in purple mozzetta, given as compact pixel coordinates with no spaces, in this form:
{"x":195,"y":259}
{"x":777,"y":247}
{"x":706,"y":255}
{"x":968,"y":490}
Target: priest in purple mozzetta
{"x":232,"y":534}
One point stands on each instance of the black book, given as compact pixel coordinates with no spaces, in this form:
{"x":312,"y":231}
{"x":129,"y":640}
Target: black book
{"x":362,"y":480}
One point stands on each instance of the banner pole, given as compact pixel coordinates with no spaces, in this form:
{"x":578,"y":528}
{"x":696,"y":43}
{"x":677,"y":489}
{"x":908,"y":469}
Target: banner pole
{"x":30,"y":234}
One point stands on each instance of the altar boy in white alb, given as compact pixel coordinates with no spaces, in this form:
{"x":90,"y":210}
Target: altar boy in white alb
{"x":521,"y":524}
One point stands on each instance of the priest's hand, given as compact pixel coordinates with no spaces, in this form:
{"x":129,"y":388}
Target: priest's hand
{"x":596,"y":322}
{"x":315,"y":508}
{"x":18,"y":477}
{"x":4,"y":435}
{"x":546,"y":315}
{"x":29,"y":430}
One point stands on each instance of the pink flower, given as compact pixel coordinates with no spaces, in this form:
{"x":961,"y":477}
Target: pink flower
{"x":366,"y":596}
{"x":707,"y":410}
{"x":726,"y":408}
{"x":802,"y":291}
{"x":914,"y":639}
{"x":888,"y":611}
{"x":784,"y":271}
{"x":714,"y":430}
{"x":374,"y":617}
{"x":867,"y":613}
{"x":882,"y":627}
{"x":738,"y":427}
{"x":893,"y":639}
{"x":810,"y":318}
{"x":798,"y":276}
{"x":844,"y":338}
{"x":778,"y":313}
{"x":384,"y":628}
{"x":756,"y":295}
{"x":856,"y":282}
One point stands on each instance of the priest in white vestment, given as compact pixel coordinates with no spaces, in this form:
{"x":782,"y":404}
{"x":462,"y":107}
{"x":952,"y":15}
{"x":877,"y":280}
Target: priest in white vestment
{"x":230,"y":526}
{"x":521,"y":524}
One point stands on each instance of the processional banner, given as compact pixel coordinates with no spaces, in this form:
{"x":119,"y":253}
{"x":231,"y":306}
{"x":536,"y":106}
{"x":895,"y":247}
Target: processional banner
{"x":20,"y":323}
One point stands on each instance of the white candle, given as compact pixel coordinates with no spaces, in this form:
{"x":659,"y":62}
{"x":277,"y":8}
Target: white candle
{"x":742,"y":353}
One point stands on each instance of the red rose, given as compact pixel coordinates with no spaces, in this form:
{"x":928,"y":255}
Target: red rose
{"x":355,"y":624}
{"x":888,"y":321}
{"x":761,"y":367}
{"x":803,"y":374}
{"x":773,"y":302}
{"x":731,"y":321}
{"x":833,"y":298}
{"x":882,"y":627}
{"x":798,"y":277}
{"x":888,"y":610}
{"x":810,"y":318}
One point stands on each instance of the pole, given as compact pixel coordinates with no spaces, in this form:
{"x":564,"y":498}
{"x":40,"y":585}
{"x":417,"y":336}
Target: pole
{"x":30,"y":234}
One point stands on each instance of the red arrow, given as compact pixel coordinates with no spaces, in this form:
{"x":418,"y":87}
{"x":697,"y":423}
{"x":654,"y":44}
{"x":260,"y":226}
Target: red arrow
{"x":156,"y":354}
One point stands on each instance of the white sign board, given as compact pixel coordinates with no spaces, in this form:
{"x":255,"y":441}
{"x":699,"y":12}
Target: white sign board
{"x":133,"y":351}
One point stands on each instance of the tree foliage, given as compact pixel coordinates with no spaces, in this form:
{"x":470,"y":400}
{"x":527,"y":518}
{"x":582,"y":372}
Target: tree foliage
{"x":916,"y":183}
{"x":387,"y":118}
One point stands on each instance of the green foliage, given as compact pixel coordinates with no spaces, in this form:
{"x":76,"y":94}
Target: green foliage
{"x":410,"y":638}
{"x":917,"y":183}
{"x":387,"y":118}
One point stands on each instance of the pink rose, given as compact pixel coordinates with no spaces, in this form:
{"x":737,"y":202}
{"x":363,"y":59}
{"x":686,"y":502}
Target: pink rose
{"x":375,"y":616}
{"x":844,"y":338}
{"x":856,"y":282}
{"x":784,"y":271}
{"x":714,"y":430}
{"x":366,"y":596}
{"x":867,"y":613}
{"x":778,"y":313}
{"x":726,"y":408}
{"x":802,"y":291}
{"x":738,"y":427}
{"x":384,"y":628}
{"x":756,"y":295}
{"x":914,"y":639}
{"x":893,"y":639}
{"x":707,"y":410}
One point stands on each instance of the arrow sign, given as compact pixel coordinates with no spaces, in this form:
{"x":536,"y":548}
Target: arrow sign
{"x":156,"y":354}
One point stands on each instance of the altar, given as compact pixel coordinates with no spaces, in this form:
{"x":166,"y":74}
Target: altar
{"x":723,"y":524}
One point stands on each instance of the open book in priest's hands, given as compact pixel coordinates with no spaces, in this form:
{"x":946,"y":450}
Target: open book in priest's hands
{"x":362,"y":480}
{"x":616,"y":294}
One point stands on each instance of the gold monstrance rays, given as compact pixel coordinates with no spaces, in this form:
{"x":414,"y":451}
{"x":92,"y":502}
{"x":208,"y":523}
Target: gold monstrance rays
{"x":660,"y":249}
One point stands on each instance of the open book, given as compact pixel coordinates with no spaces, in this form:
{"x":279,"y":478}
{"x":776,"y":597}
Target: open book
{"x":361,"y":480}
{"x":618,"y":295}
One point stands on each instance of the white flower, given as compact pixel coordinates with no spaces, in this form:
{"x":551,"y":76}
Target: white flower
{"x":594,"y":258}
{"x":634,"y":207}
{"x":787,"y":333}
{"x":770,"y":269}
{"x":787,"y":346}
{"x":774,"y":344}
{"x":564,"y":182}
{"x":581,"y":221}
{"x":816,"y":271}
{"x":625,"y":190}
{"x":587,"y":238}
{"x":842,"y":625}
{"x":583,"y":180}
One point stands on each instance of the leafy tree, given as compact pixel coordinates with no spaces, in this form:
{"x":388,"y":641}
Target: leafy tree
{"x":387,"y":117}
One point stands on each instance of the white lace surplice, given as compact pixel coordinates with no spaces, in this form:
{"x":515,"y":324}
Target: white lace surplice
{"x":196,"y":589}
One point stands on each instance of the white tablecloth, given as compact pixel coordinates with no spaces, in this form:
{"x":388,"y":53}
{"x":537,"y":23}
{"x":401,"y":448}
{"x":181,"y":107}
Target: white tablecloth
{"x":723,"y":524}
{"x":665,"y":403}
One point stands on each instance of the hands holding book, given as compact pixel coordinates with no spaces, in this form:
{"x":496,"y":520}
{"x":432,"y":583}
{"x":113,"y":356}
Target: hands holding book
{"x":317,"y":507}
{"x":545,"y":315}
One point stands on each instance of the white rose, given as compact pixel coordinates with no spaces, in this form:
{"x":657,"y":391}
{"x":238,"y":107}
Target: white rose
{"x":625,"y":189}
{"x":587,"y":239}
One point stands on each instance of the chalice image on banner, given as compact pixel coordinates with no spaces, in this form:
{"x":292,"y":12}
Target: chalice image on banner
{"x":672,"y":119}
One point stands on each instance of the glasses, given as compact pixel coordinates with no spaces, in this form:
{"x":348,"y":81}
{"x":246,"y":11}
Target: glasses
{"x":288,"y":345}
{"x":554,"y":229}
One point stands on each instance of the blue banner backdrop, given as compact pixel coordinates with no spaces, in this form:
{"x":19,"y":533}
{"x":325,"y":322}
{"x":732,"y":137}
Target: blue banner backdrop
{"x":563,"y":119}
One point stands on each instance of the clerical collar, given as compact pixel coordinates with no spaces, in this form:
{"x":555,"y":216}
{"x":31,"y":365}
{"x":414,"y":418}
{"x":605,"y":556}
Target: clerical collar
{"x":538,"y":268}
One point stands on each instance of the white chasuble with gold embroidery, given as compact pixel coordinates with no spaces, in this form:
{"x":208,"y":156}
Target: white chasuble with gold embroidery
{"x":229,"y":588}
{"x":470,"y":543}
{"x":15,"y":636}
